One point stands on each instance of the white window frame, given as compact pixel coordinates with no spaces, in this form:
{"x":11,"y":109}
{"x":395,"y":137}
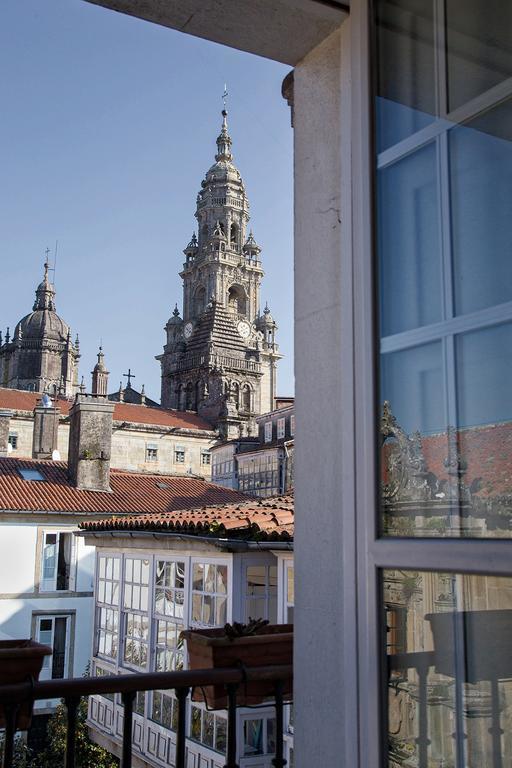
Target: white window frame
{"x":229,"y":589}
{"x":374,"y":554}
{"x":46,"y":670}
{"x":281,"y":428}
{"x":151,"y":453}
{"x":108,"y":606}
{"x":268,"y":432}
{"x":49,"y":584}
{"x":292,"y":425}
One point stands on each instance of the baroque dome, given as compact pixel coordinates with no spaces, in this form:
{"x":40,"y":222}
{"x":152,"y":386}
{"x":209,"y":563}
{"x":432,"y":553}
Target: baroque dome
{"x":42,"y":323}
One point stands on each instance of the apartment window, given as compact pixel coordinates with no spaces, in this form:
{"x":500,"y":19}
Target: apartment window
{"x":280,"y":429}
{"x":135,"y":612}
{"x":292,"y":425}
{"x":259,"y":736}
{"x":54,"y":631}
{"x":208,"y":728}
{"x":107,"y":612}
{"x":179,"y":454}
{"x":151,"y":452}
{"x":268,"y":431}
{"x":205,"y":458}
{"x":209,"y":594}
{"x":13,"y":440}
{"x":57,"y":562}
{"x":261,"y":592}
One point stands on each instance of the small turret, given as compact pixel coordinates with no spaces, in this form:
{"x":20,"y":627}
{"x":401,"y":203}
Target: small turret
{"x":100,"y":376}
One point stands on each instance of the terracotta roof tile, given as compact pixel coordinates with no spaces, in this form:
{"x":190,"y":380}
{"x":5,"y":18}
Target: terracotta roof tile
{"x":131,"y":493}
{"x":20,"y":400}
{"x":261,"y":519}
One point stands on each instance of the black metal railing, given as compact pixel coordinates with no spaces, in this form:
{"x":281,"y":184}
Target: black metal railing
{"x":73,"y":689}
{"x":424,"y":663}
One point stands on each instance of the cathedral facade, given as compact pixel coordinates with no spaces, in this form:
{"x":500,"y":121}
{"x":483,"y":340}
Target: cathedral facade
{"x":40,"y":356}
{"x":220,"y":357}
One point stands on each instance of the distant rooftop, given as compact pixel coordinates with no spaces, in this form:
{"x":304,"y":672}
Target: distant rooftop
{"x":21,"y":400}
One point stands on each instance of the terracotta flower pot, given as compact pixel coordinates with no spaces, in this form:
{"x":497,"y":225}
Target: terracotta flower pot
{"x":211,"y":648}
{"x":21,"y":660}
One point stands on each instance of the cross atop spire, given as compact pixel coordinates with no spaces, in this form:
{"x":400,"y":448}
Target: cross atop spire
{"x":129,"y":376}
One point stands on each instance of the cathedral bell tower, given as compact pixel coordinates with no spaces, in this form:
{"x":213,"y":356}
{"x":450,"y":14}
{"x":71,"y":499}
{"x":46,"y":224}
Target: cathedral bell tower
{"x":220,"y":357}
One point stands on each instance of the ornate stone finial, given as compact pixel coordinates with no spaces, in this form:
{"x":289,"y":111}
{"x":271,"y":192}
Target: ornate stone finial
{"x":82,"y":386}
{"x":1,"y":342}
{"x":45,"y":292}
{"x":266,"y":310}
{"x":193,"y":241}
{"x":224,"y":141}
{"x":176,"y":312}
{"x":143,"y":395}
{"x":77,"y":342}
{"x":7,"y":335}
{"x":121,"y":392}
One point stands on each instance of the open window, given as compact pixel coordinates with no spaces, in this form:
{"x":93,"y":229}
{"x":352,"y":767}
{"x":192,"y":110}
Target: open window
{"x":54,"y":631}
{"x":57,"y":562}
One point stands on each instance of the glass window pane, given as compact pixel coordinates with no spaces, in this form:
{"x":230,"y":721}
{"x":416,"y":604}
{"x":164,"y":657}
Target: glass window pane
{"x":412,"y":383}
{"x":409,"y":247}
{"x":406,"y":85}
{"x":197,"y":578}
{"x":484,"y":374}
{"x":478,"y":47}
{"x":481,"y":180}
{"x":451,"y":694}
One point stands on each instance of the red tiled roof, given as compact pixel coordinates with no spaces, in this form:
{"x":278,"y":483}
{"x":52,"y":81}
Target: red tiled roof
{"x":486,"y":451}
{"x":20,"y":400}
{"x":132,"y":493}
{"x":260,"y":519}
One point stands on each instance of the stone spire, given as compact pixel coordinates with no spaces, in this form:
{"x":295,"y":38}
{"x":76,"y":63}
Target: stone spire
{"x":224,"y":142}
{"x":100,"y":376}
{"x":45,"y":293}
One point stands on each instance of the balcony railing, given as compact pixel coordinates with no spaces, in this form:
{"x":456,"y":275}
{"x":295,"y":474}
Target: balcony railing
{"x":72,"y":690}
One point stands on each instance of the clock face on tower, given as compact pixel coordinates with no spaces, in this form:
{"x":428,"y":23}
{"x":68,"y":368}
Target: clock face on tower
{"x":187,"y":331}
{"x":244,"y":329}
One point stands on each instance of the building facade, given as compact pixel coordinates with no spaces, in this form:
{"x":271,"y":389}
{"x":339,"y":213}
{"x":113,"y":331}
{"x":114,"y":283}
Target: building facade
{"x":149,"y":589}
{"x":220,"y":357}
{"x":262,"y":466}
{"x":40,"y":356}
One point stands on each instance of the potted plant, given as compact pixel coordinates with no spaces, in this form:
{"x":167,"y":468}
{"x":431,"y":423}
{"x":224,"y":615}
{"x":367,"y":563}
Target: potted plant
{"x":20,"y":660}
{"x":256,"y":644}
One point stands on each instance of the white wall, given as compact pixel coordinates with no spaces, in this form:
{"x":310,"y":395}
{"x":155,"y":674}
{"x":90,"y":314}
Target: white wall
{"x":322,"y":252}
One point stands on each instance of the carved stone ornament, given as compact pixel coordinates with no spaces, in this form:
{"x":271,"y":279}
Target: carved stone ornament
{"x":404,"y":474}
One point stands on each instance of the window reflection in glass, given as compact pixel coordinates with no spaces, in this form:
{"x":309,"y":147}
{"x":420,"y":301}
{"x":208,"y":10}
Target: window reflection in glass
{"x":449,"y":693}
{"x":444,"y":229}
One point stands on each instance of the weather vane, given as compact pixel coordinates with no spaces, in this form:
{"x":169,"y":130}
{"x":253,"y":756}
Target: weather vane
{"x":225,"y":96}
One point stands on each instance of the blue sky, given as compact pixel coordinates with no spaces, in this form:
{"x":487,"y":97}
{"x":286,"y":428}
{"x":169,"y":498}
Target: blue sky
{"x":108,"y":127}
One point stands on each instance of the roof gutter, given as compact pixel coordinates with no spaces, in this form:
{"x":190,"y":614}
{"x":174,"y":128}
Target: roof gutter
{"x":227,"y":545}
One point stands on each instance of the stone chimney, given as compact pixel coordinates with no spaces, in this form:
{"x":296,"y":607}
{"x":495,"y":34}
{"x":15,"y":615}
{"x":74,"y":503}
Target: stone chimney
{"x":5,"y":421}
{"x":90,"y":440}
{"x":46,"y":429}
